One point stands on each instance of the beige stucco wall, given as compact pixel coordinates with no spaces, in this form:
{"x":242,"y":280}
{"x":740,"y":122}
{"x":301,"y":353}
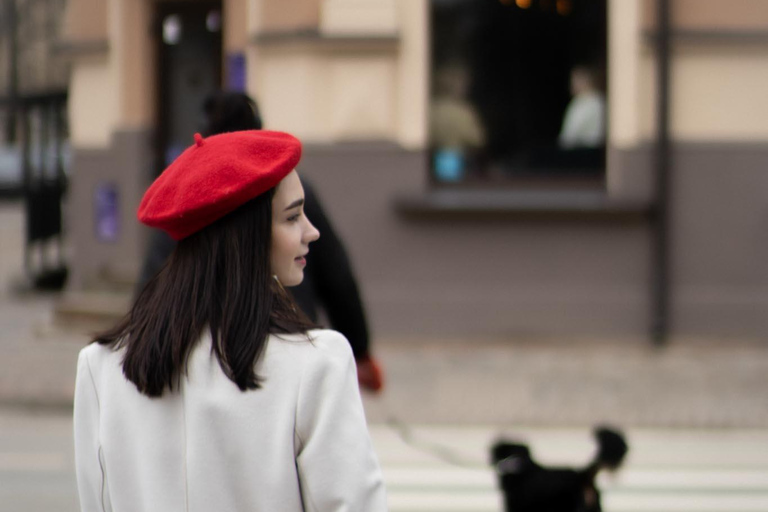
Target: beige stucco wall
{"x":132,"y":61}
{"x":323,"y":96}
{"x":327,"y":89}
{"x":283,"y":15}
{"x":717,"y":92}
{"x":354,"y":17}
{"x":93,"y":103}
{"x":236,"y":25}
{"x":711,"y":14}
{"x":716,"y":84}
{"x":413,"y":73}
{"x":624,"y":72}
{"x":328,"y":94}
{"x":292,"y":91}
{"x":717,"y":73}
{"x":362,"y":97}
{"x":85,"y":21}
{"x":93,"y":92}
{"x":112,"y":89}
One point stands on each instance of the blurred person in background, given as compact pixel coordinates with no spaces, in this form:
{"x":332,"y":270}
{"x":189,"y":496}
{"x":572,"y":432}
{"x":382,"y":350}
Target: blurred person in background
{"x":328,"y":284}
{"x":456,"y":133}
{"x":584,"y":119}
{"x":215,"y":392}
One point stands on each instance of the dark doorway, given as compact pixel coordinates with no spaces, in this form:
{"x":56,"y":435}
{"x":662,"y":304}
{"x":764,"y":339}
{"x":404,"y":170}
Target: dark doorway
{"x":189,"y":36}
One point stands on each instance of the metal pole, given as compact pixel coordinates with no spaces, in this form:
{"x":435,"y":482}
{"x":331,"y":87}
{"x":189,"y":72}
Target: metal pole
{"x":27,"y":186}
{"x":661,"y":291}
{"x":13,"y":68}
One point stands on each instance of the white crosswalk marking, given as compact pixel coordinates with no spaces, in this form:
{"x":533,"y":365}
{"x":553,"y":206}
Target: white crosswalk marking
{"x":433,"y":468}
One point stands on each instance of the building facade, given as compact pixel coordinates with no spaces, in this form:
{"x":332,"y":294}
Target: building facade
{"x":500,"y":255}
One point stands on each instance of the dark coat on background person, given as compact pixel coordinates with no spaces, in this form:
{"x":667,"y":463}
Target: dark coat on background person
{"x":329,"y":282}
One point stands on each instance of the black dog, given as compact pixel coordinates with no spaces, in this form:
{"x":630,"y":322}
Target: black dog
{"x":529,"y":487}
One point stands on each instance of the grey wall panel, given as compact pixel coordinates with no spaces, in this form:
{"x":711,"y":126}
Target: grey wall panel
{"x":720,"y":245}
{"x":505,"y":277}
{"x":125,"y":165}
{"x":482,"y":278}
{"x":631,"y":174}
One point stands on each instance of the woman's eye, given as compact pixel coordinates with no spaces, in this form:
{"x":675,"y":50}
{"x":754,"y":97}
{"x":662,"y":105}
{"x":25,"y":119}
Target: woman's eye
{"x":294,"y":218}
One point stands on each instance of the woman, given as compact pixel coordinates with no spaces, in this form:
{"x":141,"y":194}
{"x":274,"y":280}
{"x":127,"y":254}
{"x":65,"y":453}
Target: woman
{"x":329,"y":283}
{"x":214,"y":393}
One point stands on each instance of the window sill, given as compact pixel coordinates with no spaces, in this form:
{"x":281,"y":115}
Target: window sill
{"x":529,"y":205}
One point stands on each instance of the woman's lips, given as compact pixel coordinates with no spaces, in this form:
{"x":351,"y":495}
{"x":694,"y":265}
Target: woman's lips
{"x":301,"y":260}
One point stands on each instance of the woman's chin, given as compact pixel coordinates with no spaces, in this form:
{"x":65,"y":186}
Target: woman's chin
{"x":293,"y":280}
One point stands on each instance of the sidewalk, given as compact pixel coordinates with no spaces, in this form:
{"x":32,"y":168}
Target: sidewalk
{"x":691,"y":383}
{"x":581,"y":383}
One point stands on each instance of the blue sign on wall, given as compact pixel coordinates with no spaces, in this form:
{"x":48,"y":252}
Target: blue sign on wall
{"x":106,"y":212}
{"x":236,"y":72}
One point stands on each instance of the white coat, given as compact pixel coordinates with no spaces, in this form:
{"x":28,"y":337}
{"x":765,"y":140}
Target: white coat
{"x":300,"y":443}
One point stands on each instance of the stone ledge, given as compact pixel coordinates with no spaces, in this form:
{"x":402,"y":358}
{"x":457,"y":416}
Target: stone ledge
{"x":95,"y":310}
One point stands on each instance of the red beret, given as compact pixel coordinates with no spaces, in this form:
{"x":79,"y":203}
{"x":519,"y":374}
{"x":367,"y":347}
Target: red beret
{"x":215,"y":176}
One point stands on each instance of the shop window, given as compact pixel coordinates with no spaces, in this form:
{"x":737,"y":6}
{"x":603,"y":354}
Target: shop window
{"x":517,"y":90}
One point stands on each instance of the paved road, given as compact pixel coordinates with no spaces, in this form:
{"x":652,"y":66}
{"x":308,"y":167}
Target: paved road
{"x":442,"y":468}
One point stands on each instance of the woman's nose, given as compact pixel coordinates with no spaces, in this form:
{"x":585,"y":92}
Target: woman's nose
{"x":311,"y":233}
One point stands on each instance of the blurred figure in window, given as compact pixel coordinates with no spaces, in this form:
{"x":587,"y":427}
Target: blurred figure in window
{"x":584,"y":120}
{"x":456,"y":133}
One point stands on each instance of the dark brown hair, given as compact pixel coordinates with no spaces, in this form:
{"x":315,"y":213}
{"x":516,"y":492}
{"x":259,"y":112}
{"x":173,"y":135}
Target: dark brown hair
{"x":230,"y":111}
{"x":217,"y":279}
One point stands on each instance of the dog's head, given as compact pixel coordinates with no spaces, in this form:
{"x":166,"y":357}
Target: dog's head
{"x":510,"y":457}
